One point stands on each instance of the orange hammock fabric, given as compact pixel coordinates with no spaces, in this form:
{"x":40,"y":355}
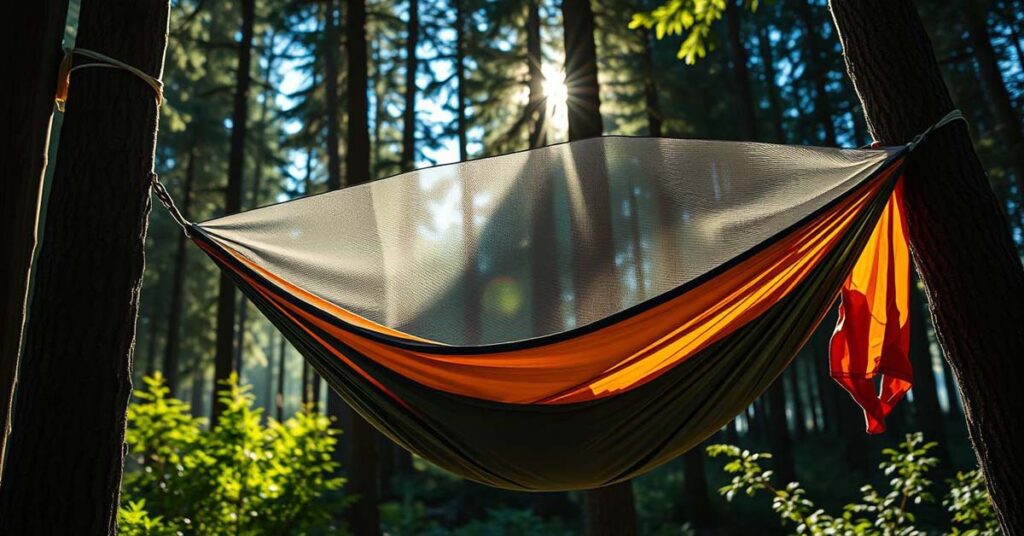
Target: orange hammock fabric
{"x":389,"y":293}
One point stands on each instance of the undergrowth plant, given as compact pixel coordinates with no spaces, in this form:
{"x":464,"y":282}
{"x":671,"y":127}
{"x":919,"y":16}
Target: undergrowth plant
{"x":882,"y":512}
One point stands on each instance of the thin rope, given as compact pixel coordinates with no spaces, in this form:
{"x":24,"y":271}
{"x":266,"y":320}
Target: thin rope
{"x":165,"y":199}
{"x":954,"y":115}
{"x":102,"y":61}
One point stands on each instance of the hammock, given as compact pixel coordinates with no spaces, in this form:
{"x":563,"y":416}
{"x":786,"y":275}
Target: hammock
{"x":573,"y":316}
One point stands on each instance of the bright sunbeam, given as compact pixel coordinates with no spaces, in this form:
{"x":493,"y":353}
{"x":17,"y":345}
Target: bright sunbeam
{"x":557,"y":94}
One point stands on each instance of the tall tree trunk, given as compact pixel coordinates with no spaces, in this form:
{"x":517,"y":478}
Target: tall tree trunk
{"x":332,"y":46}
{"x":740,"y":74}
{"x":695,"y":490}
{"x":608,"y":510}
{"x":535,"y":60}
{"x":357,"y":154}
{"x":584,"y":101}
{"x":926,"y":394}
{"x":172,"y":348}
{"x":66,"y":453}
{"x":363,"y":467}
{"x":198,"y":386}
{"x":1007,"y":120}
{"x":817,"y":71}
{"x":412,"y":41}
{"x":770,"y":83}
{"x":461,"y":126}
{"x":281,"y":369}
{"x":37,"y":27}
{"x":792,"y":378}
{"x":224,"y":362}
{"x":958,"y":235}
{"x":778,"y":433}
{"x":653,"y":108}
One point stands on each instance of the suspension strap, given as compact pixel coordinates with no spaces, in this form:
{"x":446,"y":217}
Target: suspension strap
{"x":954,"y":115}
{"x":102,"y":61}
{"x":165,"y":199}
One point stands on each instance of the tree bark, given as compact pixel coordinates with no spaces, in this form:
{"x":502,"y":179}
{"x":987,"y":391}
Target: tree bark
{"x":66,"y":453}
{"x":695,"y":490}
{"x":172,"y":346}
{"x":332,"y":45}
{"x":817,"y":71}
{"x":27,"y":108}
{"x":958,"y":235}
{"x":926,"y":394}
{"x":1007,"y":120}
{"x":740,"y":74}
{"x":224,"y":362}
{"x":411,"y":70}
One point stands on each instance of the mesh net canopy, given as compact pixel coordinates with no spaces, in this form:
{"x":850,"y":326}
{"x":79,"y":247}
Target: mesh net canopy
{"x":572,"y":316}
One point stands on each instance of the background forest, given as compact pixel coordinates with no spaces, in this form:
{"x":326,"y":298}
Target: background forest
{"x":268,"y":100}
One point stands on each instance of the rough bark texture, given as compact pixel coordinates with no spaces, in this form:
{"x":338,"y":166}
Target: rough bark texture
{"x":411,"y":69}
{"x":332,"y":45}
{"x":25,"y":114}
{"x":224,"y":358}
{"x":172,"y":346}
{"x":740,"y":74}
{"x":66,"y":453}
{"x":958,"y":234}
{"x":926,"y":395}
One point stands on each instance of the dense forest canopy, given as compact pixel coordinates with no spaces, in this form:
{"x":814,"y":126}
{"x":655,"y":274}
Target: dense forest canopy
{"x":259,"y":108}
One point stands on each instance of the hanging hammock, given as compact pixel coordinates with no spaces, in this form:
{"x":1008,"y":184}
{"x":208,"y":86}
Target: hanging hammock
{"x":573,"y":316}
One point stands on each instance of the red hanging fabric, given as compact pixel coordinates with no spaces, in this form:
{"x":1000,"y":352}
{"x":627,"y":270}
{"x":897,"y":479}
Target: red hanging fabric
{"x":872,"y":338}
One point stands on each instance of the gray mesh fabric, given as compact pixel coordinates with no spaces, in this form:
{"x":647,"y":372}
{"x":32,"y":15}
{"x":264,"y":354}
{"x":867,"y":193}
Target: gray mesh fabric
{"x":533,"y":243}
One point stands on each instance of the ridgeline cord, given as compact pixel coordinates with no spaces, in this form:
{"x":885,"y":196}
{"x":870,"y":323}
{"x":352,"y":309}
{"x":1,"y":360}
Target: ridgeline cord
{"x":954,"y":115}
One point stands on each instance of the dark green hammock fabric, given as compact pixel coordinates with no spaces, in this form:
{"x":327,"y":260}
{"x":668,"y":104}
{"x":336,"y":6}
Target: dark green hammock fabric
{"x":412,"y":373}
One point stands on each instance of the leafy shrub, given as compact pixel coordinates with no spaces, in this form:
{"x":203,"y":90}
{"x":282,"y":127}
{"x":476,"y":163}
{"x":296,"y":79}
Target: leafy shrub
{"x":240,"y":477}
{"x":877,"y":513}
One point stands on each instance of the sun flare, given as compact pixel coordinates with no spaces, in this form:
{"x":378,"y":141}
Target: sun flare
{"x":556,"y":93}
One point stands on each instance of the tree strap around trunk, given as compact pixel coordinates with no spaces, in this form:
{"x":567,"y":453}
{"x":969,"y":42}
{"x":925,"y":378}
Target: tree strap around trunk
{"x":103,"y":61}
{"x":953,"y":115}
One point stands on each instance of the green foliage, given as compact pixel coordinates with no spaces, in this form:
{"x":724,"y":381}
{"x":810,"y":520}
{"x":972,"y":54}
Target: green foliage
{"x":876,"y":513}
{"x":241,"y":477}
{"x":971,"y":506}
{"x":691,"y":18}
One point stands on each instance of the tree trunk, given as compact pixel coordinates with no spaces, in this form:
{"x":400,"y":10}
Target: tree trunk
{"x":695,"y":490}
{"x":958,"y":235}
{"x":461,"y":126}
{"x":778,"y":433}
{"x":357,"y":154}
{"x":535,"y":59}
{"x":1007,"y":121}
{"x":37,"y":27}
{"x":66,"y":453}
{"x":740,"y":74}
{"x":364,"y":467}
{"x":172,"y":346}
{"x":332,"y":45}
{"x":926,"y":395}
{"x":652,"y":106}
{"x":411,"y":69}
{"x":281,"y":369}
{"x":608,"y":510}
{"x":583,"y":102}
{"x":817,"y":71}
{"x":770,"y":84}
{"x":224,"y":362}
